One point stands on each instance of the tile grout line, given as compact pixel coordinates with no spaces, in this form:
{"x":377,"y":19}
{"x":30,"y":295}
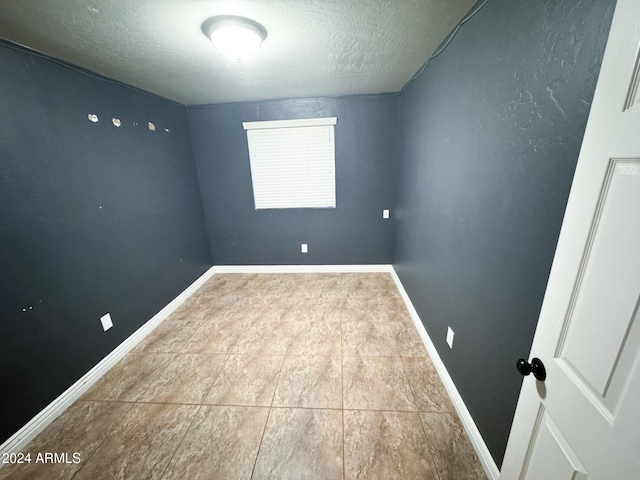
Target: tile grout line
{"x":277,"y":382}
{"x":418,"y":412}
{"x":264,"y":429}
{"x":413,"y":394}
{"x":230,"y":352}
{"x":235,"y":405}
{"x":344,"y":462}
{"x":433,"y":457}
{"x":181,"y":440}
{"x":204,"y":397}
{"x":133,"y":404}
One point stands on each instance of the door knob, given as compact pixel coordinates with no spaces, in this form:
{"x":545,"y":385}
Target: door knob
{"x":536,"y":367}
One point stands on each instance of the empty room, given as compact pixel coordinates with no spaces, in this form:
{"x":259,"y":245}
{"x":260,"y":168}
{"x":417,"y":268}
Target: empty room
{"x":319,"y":239}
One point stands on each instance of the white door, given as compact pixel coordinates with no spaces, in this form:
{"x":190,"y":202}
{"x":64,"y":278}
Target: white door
{"x":583,"y":422}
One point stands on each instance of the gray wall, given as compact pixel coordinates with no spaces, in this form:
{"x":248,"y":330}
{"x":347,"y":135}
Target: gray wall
{"x":488,"y":141}
{"x":352,"y":233}
{"x":94,"y":219}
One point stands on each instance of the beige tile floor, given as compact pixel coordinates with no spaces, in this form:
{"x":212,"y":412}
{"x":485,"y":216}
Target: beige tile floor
{"x":279,"y":376}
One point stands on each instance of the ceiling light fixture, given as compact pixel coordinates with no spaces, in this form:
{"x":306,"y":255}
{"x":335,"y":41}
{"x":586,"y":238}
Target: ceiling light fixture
{"x":235,"y":37}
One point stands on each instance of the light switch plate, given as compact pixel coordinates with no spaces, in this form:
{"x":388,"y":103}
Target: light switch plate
{"x":107,"y":323}
{"x":450,"y":335}
{"x":304,"y":248}
{"x":385,"y":213}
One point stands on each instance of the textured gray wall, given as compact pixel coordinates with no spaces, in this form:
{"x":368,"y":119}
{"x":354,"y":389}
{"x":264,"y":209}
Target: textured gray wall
{"x":94,"y":219}
{"x":488,"y":141}
{"x":352,"y":233}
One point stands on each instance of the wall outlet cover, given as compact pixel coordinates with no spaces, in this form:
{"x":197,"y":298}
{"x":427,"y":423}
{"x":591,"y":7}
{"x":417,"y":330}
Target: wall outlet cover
{"x":107,"y":323}
{"x":304,"y":248}
{"x":385,"y":213}
{"x":450,"y":335}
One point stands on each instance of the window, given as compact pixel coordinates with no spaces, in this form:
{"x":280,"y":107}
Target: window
{"x":293,"y":163}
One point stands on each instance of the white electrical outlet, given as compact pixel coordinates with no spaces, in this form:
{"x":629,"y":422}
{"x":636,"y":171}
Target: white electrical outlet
{"x":450,"y":335}
{"x":385,"y":213}
{"x":107,"y":323}
{"x":304,"y":248}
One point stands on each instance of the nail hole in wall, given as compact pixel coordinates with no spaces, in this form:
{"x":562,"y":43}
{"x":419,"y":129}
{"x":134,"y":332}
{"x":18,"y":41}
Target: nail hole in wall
{"x":116,"y":121}
{"x":93,"y":118}
{"x":152,"y":127}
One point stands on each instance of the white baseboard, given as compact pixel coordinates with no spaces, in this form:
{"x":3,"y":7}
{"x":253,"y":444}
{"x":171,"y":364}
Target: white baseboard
{"x":37,"y":424}
{"x":22,"y":437}
{"x":303,"y":268}
{"x":470,"y":427}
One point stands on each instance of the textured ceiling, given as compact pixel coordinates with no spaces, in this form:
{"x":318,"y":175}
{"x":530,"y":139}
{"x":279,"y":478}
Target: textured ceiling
{"x":313,"y":48}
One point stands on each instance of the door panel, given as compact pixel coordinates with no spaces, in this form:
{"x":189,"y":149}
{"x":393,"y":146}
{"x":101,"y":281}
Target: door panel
{"x":551,"y":457}
{"x":608,"y":286}
{"x":633,"y":98}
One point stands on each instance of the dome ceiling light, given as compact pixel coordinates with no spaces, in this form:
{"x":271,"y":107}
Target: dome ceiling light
{"x":235,"y":37}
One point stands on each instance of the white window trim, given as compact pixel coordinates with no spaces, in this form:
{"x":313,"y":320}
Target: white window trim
{"x":305,"y":122}
{"x":270,"y":192}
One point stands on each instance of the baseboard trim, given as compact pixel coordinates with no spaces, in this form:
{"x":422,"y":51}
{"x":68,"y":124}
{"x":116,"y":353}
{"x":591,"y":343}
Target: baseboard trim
{"x":470,"y":427}
{"x":22,"y":437}
{"x":303,"y":268}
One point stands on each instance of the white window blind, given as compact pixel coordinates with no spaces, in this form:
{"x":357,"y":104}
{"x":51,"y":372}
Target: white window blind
{"x":293,"y":163}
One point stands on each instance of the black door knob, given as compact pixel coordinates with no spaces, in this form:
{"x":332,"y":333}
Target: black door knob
{"x":536,"y":367}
